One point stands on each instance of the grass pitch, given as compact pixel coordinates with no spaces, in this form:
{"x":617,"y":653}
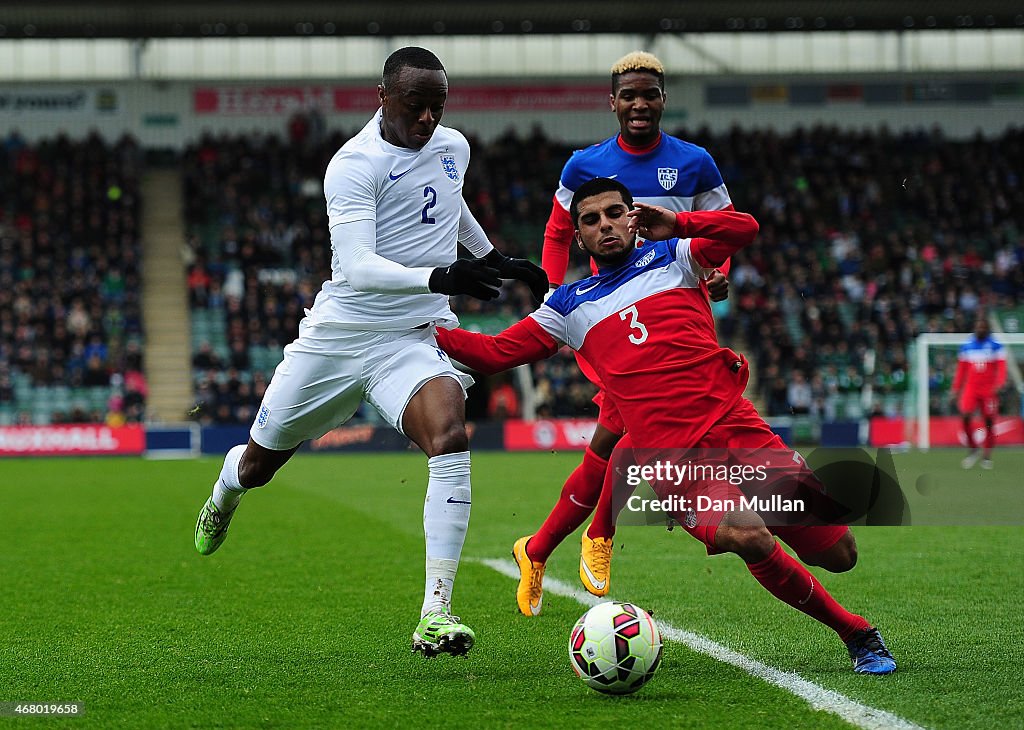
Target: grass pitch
{"x":304,"y":617}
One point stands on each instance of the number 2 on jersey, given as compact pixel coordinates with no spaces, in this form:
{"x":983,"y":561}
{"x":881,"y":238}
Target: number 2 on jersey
{"x":634,"y":324}
{"x":431,"y":195}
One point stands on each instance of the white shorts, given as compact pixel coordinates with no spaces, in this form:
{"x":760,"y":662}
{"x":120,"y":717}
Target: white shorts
{"x":328,"y":371}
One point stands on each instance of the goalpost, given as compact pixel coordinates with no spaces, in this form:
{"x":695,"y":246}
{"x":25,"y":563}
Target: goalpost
{"x":925,"y":346}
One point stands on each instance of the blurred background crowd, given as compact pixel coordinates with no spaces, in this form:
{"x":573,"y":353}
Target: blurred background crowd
{"x":867,"y":239}
{"x":71,"y":339}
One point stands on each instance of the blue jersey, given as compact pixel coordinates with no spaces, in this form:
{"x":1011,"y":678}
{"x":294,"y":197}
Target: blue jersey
{"x":677,"y":175}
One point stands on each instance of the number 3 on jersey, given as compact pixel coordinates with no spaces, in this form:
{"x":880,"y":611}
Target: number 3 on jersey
{"x":431,"y":195}
{"x":634,"y":324}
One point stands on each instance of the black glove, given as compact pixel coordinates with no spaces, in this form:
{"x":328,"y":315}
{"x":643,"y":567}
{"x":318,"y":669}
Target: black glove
{"x":466,"y":276}
{"x":522,"y":269}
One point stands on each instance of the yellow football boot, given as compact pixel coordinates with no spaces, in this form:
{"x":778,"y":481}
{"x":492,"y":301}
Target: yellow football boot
{"x":530,"y":592}
{"x":595,"y":564}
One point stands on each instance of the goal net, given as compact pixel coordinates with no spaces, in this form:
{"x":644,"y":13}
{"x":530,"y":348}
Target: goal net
{"x":933,"y":418}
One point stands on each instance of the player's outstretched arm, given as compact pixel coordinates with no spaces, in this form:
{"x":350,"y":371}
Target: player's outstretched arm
{"x":524,"y":342}
{"x":716,"y":234}
{"x":655,"y":223}
{"x":474,"y":277}
{"x":367,"y":271}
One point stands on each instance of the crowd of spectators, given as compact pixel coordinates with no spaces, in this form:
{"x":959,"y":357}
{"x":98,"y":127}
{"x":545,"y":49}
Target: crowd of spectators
{"x":70,"y":322}
{"x":867,"y":239}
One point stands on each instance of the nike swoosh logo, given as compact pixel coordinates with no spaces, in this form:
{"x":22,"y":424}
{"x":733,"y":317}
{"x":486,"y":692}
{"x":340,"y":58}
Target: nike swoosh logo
{"x":808,"y":595}
{"x":612,"y":177}
{"x":572,"y":498}
{"x":584,"y":291}
{"x":396,"y":177}
{"x":452,"y":500}
{"x":598,"y":584}
{"x":535,"y":607}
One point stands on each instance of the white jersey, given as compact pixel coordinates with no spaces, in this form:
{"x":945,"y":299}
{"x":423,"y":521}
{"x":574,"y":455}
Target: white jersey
{"x":414,"y":197}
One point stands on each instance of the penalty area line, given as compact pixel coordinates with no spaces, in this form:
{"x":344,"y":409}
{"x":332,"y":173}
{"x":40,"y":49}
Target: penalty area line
{"x":853,"y":712}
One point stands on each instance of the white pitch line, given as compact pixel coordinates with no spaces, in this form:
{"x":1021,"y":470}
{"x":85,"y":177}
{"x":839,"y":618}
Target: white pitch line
{"x":855,"y":713}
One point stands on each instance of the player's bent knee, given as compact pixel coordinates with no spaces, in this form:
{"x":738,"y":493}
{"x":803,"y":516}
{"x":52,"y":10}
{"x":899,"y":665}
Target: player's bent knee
{"x":751,"y":541}
{"x":839,"y":558}
{"x":603,"y":442}
{"x":258,"y":465}
{"x":252,"y":473}
{"x":451,"y":440}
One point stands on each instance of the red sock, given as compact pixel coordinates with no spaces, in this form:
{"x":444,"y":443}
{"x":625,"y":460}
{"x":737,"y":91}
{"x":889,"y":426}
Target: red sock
{"x":603,"y":524}
{"x":579,"y":495}
{"x":990,"y":437}
{"x":789,"y":581}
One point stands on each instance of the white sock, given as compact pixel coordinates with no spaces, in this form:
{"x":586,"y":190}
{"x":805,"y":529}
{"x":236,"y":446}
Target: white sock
{"x":227,"y":491}
{"x":445,"y":519}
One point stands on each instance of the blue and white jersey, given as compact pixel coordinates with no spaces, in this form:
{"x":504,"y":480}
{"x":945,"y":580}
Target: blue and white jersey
{"x":678,"y":175}
{"x":982,"y":351}
{"x":573,"y":311}
{"x":646,"y":329}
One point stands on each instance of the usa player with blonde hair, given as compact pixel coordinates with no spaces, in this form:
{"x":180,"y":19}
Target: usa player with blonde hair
{"x":657,"y":168}
{"x":396,"y":214}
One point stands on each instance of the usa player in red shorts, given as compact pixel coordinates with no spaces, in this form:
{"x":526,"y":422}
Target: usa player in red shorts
{"x":657,"y":168}
{"x":645,"y":326}
{"x":980,"y":374}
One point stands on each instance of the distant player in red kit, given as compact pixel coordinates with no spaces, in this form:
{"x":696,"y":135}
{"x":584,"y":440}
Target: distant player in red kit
{"x":980,"y":374}
{"x":657,"y":168}
{"x":645,"y":326}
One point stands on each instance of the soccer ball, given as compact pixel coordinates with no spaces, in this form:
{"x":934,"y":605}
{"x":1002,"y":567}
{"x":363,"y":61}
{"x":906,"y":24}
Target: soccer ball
{"x":615,"y":648}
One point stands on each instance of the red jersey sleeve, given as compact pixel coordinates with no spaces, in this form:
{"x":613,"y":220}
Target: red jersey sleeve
{"x":716,"y":235}
{"x":557,"y":240}
{"x":726,"y":265}
{"x":524,"y":342}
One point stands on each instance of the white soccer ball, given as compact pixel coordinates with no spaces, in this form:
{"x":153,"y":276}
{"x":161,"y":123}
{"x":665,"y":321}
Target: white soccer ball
{"x":615,"y":648}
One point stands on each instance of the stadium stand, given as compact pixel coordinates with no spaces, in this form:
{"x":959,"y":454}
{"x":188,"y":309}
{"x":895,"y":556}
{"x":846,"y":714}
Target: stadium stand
{"x":871,"y":237}
{"x":71,"y":334}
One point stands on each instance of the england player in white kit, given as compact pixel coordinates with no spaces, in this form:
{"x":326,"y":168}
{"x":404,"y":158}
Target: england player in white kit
{"x":396,"y":213}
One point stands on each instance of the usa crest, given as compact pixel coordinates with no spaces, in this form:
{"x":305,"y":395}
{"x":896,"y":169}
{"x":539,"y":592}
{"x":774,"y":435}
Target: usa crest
{"x":668,"y":176}
{"x":450,"y":169}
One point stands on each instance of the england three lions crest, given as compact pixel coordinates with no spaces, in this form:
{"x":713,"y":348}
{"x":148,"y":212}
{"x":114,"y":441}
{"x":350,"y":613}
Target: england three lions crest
{"x":668,"y":176}
{"x":450,"y":169}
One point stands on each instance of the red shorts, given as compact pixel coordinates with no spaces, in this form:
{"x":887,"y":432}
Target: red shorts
{"x":971,"y":401}
{"x":608,"y":413}
{"x":743,"y":428}
{"x":608,"y":416}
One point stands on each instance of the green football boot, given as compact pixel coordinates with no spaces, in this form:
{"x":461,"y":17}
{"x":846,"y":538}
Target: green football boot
{"x":441,"y":633}
{"x":211,"y":528}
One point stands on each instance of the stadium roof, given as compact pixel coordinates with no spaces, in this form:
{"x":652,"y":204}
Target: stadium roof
{"x":216,"y":18}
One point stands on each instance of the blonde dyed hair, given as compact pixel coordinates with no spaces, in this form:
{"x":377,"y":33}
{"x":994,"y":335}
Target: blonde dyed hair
{"x":638,"y":61}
